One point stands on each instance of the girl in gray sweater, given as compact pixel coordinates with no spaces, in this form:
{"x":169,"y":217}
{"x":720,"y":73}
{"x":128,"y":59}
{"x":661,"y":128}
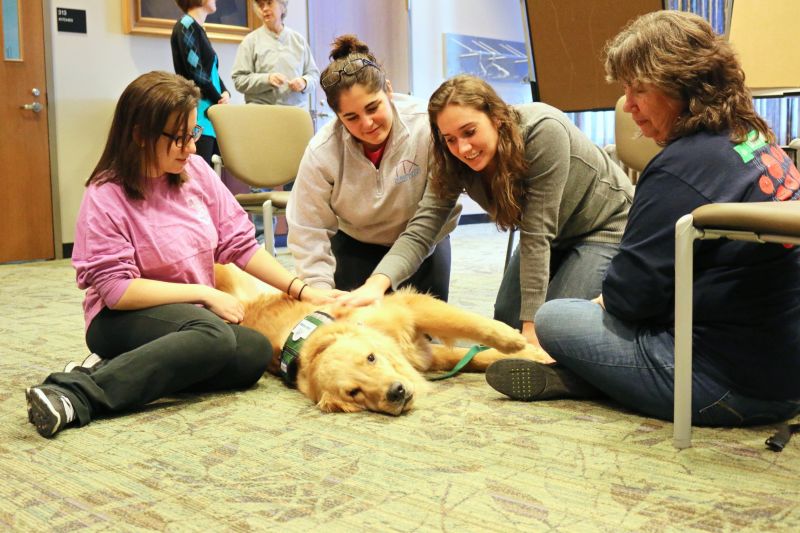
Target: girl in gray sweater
{"x":531,"y":169}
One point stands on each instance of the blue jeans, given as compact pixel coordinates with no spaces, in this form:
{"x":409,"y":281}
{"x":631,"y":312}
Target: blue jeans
{"x":574,"y":273}
{"x":635,"y":366}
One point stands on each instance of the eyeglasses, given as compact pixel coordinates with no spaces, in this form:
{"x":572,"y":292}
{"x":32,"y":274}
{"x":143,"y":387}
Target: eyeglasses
{"x":182,"y":140}
{"x":353,"y":67}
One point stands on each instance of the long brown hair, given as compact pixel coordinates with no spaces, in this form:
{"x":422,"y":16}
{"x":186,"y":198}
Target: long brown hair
{"x":345,"y":49}
{"x":680,"y":54}
{"x":140,"y":119}
{"x":449,"y":175}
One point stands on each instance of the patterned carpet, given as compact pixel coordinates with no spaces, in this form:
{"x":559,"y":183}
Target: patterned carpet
{"x":266,"y":459}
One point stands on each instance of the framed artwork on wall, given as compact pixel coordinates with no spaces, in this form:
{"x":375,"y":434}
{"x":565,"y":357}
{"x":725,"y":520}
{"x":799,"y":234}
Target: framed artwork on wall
{"x":490,"y":59}
{"x":233,"y":20}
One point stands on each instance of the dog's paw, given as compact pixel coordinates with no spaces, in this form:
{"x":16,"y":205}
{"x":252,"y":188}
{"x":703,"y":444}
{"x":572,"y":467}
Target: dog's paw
{"x":507,"y":339}
{"x":534,"y":353}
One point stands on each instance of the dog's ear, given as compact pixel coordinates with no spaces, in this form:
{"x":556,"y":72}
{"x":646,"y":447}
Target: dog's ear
{"x":320,"y":341}
{"x":309,"y":359}
{"x":329,"y":404}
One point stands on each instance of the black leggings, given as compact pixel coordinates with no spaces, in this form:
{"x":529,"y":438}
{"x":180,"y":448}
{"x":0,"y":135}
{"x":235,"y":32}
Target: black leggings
{"x":356,"y":260}
{"x":158,"y":351}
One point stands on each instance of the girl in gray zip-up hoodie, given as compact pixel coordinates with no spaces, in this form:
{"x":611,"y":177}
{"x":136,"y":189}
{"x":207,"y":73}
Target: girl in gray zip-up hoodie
{"x":361,"y":179}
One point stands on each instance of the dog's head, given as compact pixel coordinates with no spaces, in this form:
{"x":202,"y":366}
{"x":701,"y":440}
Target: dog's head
{"x":349,"y":368}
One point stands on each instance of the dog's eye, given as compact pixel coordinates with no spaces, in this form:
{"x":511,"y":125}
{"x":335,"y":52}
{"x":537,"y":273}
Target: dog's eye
{"x":371,"y":358}
{"x":355,"y":392}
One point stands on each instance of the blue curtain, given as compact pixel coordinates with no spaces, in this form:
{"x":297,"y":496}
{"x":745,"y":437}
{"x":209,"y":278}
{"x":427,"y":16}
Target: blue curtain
{"x":782,"y":114}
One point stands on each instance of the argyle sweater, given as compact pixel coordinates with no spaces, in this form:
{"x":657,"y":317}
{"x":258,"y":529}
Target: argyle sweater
{"x":195,"y":59}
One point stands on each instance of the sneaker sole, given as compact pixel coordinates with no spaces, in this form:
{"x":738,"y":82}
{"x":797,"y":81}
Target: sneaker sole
{"x":92,"y":360}
{"x":30,"y":406}
{"x":519,"y":379}
{"x":41,"y":413}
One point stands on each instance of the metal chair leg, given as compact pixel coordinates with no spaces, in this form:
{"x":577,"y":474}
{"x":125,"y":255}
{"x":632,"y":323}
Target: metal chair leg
{"x":509,"y":248}
{"x":216,"y":162}
{"x":685,"y":235}
{"x":269,"y":229}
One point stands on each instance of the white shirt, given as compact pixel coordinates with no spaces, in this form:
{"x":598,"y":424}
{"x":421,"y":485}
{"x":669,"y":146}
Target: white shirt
{"x":262,"y":53}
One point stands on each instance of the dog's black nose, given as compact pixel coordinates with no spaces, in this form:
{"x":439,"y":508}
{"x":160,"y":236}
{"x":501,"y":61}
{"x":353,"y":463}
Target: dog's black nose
{"x":396,"y":393}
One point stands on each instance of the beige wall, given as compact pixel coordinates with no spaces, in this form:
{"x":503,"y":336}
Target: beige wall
{"x":89,"y":73}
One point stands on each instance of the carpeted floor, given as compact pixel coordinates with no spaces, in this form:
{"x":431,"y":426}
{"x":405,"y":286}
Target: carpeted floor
{"x":266,"y":459}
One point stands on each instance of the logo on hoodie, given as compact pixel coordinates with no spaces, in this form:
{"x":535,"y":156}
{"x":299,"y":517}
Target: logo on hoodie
{"x":200,"y":209}
{"x":406,"y":170}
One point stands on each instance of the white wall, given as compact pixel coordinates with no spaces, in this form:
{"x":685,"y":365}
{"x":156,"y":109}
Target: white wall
{"x":430,"y":19}
{"x":495,"y":19}
{"x":90,"y":71}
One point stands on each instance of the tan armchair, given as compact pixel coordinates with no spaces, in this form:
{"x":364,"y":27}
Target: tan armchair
{"x":761,"y":222}
{"x":262,"y":145}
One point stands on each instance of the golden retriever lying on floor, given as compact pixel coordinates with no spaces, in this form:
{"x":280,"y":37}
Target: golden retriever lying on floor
{"x":370,"y":358}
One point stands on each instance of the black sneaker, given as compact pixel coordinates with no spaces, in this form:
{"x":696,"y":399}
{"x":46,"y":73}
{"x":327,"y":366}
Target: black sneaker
{"x":48,"y":410}
{"x":87,"y":366}
{"x":525,"y":380}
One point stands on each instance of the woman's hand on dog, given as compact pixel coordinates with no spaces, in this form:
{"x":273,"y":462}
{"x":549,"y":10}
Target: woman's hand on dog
{"x":225,"y":306}
{"x":370,"y":292}
{"x":318,"y":296}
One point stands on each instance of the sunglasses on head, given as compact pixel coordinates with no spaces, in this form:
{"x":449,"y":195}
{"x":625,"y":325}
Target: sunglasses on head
{"x":351,"y":68}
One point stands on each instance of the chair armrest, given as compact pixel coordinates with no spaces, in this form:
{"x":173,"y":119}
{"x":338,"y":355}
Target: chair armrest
{"x":777,"y":218}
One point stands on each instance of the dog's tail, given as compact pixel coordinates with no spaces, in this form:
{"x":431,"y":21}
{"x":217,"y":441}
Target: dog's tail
{"x":231,"y":279}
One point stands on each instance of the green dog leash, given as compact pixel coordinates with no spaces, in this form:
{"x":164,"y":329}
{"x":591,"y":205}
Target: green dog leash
{"x":478,"y":348}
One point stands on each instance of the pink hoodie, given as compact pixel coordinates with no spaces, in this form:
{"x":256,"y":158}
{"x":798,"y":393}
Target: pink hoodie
{"x":173,"y":235}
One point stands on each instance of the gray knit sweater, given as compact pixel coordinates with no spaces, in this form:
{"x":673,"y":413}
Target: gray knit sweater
{"x":262,"y":53}
{"x":573,"y":193}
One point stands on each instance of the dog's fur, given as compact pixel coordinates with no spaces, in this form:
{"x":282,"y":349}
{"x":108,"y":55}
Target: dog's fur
{"x":371,"y":357}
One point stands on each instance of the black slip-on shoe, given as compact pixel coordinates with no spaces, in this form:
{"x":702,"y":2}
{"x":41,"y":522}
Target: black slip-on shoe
{"x":526,"y":380}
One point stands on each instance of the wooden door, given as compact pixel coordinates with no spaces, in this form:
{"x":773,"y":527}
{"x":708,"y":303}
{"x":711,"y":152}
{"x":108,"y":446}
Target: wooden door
{"x":382,"y":24}
{"x":26,"y":210}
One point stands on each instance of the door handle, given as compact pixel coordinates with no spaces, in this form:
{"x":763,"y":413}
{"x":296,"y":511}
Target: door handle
{"x":35,"y":107}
